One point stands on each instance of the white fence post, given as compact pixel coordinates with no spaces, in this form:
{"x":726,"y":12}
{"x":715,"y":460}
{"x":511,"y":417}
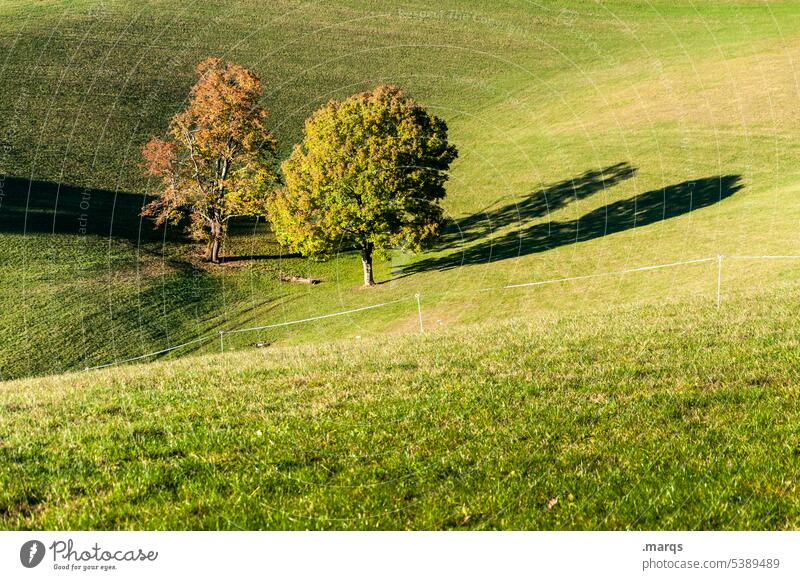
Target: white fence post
{"x":719,"y":279}
{"x":221,"y":341}
{"x":419,"y":313}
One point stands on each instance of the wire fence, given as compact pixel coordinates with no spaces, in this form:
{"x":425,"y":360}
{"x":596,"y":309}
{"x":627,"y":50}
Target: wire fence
{"x":222,"y":333}
{"x":418,"y":298}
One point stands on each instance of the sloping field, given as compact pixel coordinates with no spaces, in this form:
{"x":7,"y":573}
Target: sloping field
{"x":564,"y":378}
{"x":596,"y":138}
{"x":658,"y":417}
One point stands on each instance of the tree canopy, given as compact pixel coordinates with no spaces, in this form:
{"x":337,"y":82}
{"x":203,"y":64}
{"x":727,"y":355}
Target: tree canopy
{"x":218,"y":160}
{"x":370,"y":173}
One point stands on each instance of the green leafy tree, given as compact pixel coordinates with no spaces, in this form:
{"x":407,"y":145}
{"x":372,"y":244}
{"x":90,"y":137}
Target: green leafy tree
{"x":369,"y":173}
{"x":218,"y":160}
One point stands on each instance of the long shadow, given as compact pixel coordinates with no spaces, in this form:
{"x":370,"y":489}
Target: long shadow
{"x":537,"y":204}
{"x":640,"y":210}
{"x":45,"y":207}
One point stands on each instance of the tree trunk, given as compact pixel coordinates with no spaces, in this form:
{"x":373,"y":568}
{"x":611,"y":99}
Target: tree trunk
{"x":215,"y":250}
{"x":366,"y":261}
{"x":212,"y":249}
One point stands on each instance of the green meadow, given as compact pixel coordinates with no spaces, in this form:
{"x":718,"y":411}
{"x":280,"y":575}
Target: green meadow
{"x":672,"y":416}
{"x":594,"y":138}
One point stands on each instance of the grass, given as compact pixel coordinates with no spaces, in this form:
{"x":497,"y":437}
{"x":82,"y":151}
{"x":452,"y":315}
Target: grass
{"x":676,"y":416}
{"x":537,"y":98}
{"x":594,"y":138}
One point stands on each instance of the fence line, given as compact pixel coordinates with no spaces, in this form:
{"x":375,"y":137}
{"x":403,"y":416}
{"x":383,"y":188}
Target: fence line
{"x":221,"y":334}
{"x":156,"y":353}
{"x":764,"y":257}
{"x":600,"y":275}
{"x":291,"y":322}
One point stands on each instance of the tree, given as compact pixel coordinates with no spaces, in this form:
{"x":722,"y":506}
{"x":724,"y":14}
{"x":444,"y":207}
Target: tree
{"x":218,"y":161}
{"x":369,"y":173}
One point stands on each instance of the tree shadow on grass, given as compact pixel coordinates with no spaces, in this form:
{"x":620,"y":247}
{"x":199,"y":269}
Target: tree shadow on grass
{"x":97,"y":311}
{"x":45,"y":207}
{"x":640,"y":210}
{"x":538,"y":204}
{"x":251,"y":240}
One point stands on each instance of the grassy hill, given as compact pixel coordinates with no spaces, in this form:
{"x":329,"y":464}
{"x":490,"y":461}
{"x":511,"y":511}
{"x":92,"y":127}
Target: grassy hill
{"x":593,"y":138}
{"x":657,"y":417}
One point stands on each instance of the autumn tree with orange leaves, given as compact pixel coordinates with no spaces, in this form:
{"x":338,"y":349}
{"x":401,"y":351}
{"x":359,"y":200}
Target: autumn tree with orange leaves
{"x":218,"y":161}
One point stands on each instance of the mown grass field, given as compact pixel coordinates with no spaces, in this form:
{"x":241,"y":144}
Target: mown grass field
{"x":675,"y":416}
{"x":594,"y":138}
{"x":540,"y":100}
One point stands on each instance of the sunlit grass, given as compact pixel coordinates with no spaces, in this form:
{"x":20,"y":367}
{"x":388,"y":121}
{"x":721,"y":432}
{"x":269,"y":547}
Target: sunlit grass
{"x":534,"y":95}
{"x":675,"y":416}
